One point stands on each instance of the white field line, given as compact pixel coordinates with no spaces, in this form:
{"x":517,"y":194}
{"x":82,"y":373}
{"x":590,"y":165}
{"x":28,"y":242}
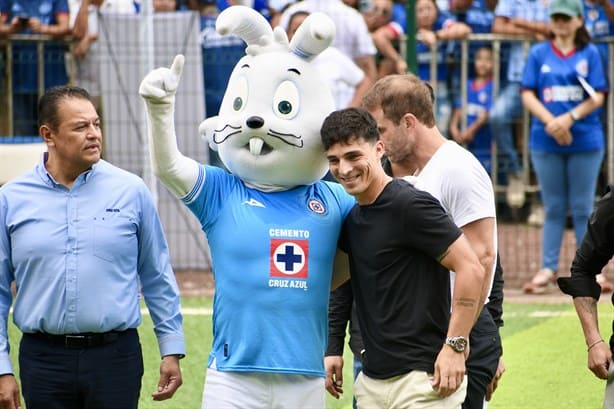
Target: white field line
{"x":532,"y":314}
{"x":187,"y":311}
{"x":540,"y":314}
{"x":184,"y":311}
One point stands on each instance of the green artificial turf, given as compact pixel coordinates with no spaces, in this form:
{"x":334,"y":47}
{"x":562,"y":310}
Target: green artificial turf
{"x":544,"y":353}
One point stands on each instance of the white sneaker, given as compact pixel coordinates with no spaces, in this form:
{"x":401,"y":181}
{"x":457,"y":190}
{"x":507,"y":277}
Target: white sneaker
{"x":537,"y":216}
{"x":542,"y":282}
{"x":515,"y":194}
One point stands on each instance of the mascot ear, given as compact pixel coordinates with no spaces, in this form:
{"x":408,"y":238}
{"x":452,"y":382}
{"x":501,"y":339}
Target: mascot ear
{"x":246,"y":23}
{"x":313,"y":36}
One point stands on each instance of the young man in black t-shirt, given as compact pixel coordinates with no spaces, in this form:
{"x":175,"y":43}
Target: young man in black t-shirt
{"x":401,"y":246}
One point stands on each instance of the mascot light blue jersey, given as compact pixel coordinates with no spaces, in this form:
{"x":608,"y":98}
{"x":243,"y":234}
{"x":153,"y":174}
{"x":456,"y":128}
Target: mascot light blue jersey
{"x":272,"y":258}
{"x":271,"y":223}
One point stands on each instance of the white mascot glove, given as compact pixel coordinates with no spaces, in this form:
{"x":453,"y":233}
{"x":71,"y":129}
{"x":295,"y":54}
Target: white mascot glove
{"x":158,"y":89}
{"x":160,"y":85}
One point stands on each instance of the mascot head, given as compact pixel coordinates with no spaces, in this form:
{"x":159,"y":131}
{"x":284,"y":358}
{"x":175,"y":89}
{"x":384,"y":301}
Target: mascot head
{"x":268,"y":129}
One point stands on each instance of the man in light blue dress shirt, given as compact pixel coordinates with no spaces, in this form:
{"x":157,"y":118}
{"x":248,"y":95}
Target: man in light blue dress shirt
{"x":80,"y":238}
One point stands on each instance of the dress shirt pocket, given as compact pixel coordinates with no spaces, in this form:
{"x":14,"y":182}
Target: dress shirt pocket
{"x":115,"y":237}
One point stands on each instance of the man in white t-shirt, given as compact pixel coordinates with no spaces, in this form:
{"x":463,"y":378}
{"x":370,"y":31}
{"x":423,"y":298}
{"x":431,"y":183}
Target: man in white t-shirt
{"x":402,"y":105}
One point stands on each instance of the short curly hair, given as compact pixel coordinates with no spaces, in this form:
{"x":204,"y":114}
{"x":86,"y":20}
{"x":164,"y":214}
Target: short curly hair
{"x":345,"y":125}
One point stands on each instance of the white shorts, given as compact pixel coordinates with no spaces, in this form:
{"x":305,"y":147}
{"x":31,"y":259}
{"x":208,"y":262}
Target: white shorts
{"x":256,"y":390}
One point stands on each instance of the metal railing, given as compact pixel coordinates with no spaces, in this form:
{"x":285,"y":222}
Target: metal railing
{"x":7,"y":44}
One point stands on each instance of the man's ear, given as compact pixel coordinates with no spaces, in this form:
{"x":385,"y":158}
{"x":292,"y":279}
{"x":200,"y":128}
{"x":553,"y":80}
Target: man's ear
{"x":380,"y":148}
{"x":45,"y":132}
{"x":409,"y":120}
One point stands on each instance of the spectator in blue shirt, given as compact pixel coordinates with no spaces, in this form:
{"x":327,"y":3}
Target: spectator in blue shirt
{"x":598,"y":20}
{"x":220,"y":55}
{"x":477,"y":14}
{"x":519,"y":18}
{"x":46,"y":17}
{"x":476,"y":137}
{"x":563,"y":87}
{"x":436,"y":28}
{"x":80,"y":238}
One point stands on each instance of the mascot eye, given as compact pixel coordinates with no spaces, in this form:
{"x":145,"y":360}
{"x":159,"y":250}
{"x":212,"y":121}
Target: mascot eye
{"x":284,"y":107}
{"x":286,"y":100}
{"x":235,"y":97}
{"x":237,"y":104}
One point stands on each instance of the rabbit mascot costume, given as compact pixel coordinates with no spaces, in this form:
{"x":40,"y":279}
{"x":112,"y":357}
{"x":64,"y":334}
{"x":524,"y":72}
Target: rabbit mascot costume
{"x":271,"y":223}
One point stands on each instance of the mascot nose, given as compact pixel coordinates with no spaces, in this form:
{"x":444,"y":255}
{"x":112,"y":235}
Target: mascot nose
{"x":255,"y":122}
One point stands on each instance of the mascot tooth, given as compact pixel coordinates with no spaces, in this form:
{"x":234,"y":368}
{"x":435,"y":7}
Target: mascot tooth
{"x":255,"y":146}
{"x":271,"y":223}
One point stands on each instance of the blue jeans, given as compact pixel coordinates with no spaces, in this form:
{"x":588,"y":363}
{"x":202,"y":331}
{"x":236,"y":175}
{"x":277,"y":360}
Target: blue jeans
{"x":567,"y":182}
{"x":357,"y":369}
{"x":505,"y":109}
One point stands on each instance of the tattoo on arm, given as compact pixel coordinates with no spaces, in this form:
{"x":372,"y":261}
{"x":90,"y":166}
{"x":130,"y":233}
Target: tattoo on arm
{"x":465,"y":302}
{"x":588,"y":304}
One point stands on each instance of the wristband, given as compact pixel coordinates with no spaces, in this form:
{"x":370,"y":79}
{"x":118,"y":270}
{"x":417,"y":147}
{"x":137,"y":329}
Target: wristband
{"x":594,"y":343}
{"x":574,"y":115}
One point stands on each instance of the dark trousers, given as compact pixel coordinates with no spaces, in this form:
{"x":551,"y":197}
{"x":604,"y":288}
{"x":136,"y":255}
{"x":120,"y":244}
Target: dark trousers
{"x":485,"y":344}
{"x":100,"y":377}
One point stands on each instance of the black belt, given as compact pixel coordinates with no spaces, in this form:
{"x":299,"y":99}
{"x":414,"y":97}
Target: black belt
{"x":84,"y":340}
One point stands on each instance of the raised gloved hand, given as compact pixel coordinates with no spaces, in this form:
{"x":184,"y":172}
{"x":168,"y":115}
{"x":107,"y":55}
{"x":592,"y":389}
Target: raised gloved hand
{"x":160,"y":85}
{"x":158,"y":89}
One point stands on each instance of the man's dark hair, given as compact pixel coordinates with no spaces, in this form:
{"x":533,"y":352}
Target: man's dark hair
{"x":49,"y":102}
{"x":347,"y":124}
